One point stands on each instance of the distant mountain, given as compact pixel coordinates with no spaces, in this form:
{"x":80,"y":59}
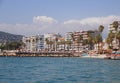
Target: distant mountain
{"x":8,"y":37}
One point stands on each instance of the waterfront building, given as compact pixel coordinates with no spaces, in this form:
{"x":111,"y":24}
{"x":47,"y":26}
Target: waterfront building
{"x":69,"y":41}
{"x":77,"y":43}
{"x":68,"y":36}
{"x":78,"y":39}
{"x":114,"y":29}
{"x":40,"y":42}
{"x":61,"y":44}
{"x":81,"y":39}
{"x":51,"y":41}
{"x":33,"y":43}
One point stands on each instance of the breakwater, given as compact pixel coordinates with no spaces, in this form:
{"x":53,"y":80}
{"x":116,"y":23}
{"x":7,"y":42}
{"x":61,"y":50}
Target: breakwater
{"x":41,"y":54}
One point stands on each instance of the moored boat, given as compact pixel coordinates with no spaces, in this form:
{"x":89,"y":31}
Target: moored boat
{"x":114,"y":56}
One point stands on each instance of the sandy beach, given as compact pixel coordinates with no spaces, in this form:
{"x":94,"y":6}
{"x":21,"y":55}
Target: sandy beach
{"x":95,"y":56}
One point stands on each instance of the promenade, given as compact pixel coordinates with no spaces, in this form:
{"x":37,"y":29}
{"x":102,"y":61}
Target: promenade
{"x":50,"y":54}
{"x":42,"y":54}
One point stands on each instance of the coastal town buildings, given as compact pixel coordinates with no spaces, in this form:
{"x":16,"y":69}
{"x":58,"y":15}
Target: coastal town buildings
{"x":81,"y":39}
{"x":68,"y":36}
{"x":69,"y":41}
{"x":33,"y":43}
{"x":77,"y":41}
{"x":51,"y":41}
{"x":72,"y":41}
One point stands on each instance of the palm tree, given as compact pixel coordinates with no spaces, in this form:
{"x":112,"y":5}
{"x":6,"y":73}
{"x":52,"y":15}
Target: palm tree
{"x":109,"y":41}
{"x":58,"y":44}
{"x":51,"y":45}
{"x":101,"y":28}
{"x":115,"y":25}
{"x":63,"y":42}
{"x":118,"y":37}
{"x":79,"y":39}
{"x":98,"y":39}
{"x":99,"y":36}
{"x":56,"y":40}
{"x":90,"y":41}
{"x":47,"y":42}
{"x":68,"y":42}
{"x":110,"y":38}
{"x":85,"y":42}
{"x":73,"y":40}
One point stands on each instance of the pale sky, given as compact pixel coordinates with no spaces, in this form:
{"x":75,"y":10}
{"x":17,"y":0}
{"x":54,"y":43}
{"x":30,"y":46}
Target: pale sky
{"x":31,"y":17}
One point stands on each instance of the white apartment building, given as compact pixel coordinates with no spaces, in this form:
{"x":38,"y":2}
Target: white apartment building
{"x":33,"y":43}
{"x":68,"y":36}
{"x":52,"y":39}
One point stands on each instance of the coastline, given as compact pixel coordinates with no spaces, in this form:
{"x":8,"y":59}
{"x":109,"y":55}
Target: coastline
{"x":50,"y":54}
{"x":101,"y":56}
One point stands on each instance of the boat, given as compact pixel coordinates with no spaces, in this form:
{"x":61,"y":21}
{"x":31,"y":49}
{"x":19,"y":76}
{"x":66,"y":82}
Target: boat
{"x":113,"y":56}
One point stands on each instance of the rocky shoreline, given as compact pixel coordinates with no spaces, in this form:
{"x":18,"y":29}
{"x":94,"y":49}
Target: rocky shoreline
{"x":49,"y":54}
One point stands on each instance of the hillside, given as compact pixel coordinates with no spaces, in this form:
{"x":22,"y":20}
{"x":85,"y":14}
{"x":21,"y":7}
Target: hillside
{"x":8,"y":37}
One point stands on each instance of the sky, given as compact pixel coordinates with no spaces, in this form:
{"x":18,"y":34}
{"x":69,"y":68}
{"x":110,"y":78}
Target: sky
{"x":32,"y":17}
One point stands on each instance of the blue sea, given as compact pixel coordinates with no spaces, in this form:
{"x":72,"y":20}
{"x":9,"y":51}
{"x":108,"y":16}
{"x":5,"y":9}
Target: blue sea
{"x":58,"y":70}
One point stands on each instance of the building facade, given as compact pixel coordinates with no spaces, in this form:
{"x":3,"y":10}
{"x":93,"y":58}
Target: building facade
{"x":33,"y":43}
{"x":51,"y":41}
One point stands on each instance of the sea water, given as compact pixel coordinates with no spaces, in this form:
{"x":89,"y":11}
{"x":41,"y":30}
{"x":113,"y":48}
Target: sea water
{"x":58,"y":70}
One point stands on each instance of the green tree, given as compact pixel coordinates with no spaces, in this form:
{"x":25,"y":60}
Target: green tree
{"x":113,"y":35}
{"x":73,"y":40}
{"x":109,"y":41}
{"x":85,"y":42}
{"x":2,"y":47}
{"x":55,"y":43}
{"x":118,"y":37}
{"x":79,"y":39}
{"x":13,"y":45}
{"x":99,"y":36}
{"x":90,"y":41}
{"x":110,"y":38}
{"x":51,"y":44}
{"x":48,"y":43}
{"x":68,"y":42}
{"x":115,"y":25}
{"x":63,"y":43}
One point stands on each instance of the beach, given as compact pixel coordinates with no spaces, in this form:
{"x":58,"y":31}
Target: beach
{"x":102,"y":56}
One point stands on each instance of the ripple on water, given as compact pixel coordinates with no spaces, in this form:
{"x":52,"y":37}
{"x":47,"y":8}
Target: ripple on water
{"x":58,"y":70}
